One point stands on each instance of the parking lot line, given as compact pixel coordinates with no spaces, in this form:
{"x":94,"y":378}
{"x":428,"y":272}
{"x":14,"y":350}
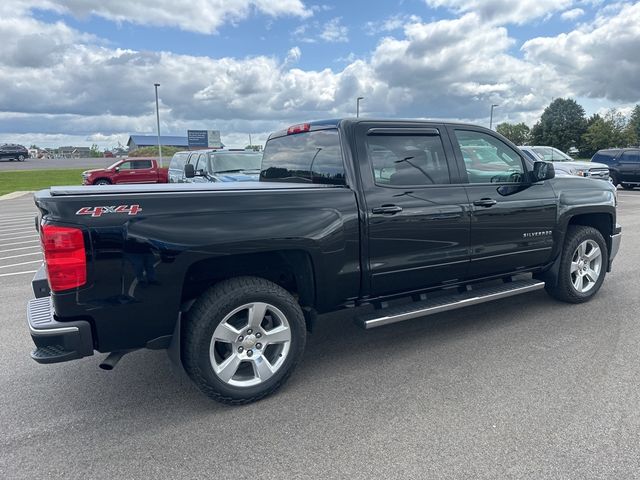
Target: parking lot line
{"x":19,"y":248}
{"x":20,"y":230}
{"x":21,"y":263}
{"x":21,"y":217}
{"x":21,"y":255}
{"x":23,"y":223}
{"x":17,"y":238}
{"x":17,"y":273}
{"x":18,"y":243}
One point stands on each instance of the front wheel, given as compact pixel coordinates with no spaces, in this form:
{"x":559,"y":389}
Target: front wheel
{"x":583,"y":265}
{"x":627,"y":186}
{"x":21,"y":158}
{"x":242,"y":340}
{"x":102,"y":181}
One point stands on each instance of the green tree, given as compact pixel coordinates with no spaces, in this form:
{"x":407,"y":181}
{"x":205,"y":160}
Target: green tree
{"x":561,"y":125}
{"x":95,"y":151}
{"x":609,"y":131}
{"x":518,"y":133}
{"x":633,"y":127}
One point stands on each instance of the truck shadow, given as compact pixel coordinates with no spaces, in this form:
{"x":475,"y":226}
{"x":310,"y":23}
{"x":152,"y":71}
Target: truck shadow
{"x":145,"y":381}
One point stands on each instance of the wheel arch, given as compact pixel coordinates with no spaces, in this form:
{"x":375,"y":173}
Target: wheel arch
{"x":291,"y":269}
{"x":603,"y":221}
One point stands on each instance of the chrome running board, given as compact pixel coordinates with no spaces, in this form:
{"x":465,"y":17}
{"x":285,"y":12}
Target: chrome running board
{"x":444,"y":303}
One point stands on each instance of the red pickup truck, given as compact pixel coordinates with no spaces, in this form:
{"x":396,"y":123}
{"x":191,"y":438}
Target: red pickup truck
{"x":127,"y":170}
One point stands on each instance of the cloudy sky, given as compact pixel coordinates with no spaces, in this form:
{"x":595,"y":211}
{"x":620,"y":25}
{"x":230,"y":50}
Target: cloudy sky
{"x":82,"y":71}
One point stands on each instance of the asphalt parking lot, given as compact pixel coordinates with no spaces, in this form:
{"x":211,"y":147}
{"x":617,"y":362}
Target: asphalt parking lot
{"x":521,"y":388}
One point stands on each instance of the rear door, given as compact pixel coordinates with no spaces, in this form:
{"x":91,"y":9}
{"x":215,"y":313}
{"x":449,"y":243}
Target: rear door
{"x":513,"y":222}
{"x":417,"y":210}
{"x":629,"y":166}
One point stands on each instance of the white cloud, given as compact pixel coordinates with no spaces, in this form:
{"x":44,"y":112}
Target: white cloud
{"x":572,"y":14}
{"x":293,"y":55}
{"x":334,"y":31}
{"x":598,"y":60}
{"x":75,"y":86}
{"x":203,"y":16}
{"x":504,"y":11}
{"x":395,"y":22}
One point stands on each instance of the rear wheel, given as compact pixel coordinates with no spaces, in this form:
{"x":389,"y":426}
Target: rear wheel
{"x":21,"y":158}
{"x":243,"y":339}
{"x":627,"y":186}
{"x":583,"y":265}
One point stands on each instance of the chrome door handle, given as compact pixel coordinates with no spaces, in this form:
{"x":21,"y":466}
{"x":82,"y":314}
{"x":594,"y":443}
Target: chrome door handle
{"x":485,"y":202}
{"x":387,"y":209}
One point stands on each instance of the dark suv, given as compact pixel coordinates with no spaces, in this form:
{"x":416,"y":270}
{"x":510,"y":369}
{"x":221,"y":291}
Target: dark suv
{"x":623,"y":163}
{"x":11,"y":152}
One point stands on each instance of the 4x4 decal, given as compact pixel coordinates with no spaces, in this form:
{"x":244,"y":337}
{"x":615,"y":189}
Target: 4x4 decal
{"x":99,"y":211}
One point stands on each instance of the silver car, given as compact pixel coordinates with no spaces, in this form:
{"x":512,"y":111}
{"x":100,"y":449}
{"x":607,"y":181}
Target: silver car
{"x":564,"y":164}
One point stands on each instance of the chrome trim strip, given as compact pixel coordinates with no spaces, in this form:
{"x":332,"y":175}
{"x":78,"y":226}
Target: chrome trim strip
{"x":532,"y":250}
{"x":51,"y":331}
{"x":388,"y":319}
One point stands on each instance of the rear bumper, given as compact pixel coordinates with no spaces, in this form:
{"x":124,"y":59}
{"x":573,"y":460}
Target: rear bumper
{"x":56,"y":341}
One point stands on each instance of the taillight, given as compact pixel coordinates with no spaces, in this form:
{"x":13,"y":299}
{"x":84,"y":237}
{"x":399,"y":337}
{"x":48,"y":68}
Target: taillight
{"x":64,"y":256}
{"x":303,"y":127}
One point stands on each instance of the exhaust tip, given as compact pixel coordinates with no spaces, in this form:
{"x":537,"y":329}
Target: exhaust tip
{"x":112,"y":359}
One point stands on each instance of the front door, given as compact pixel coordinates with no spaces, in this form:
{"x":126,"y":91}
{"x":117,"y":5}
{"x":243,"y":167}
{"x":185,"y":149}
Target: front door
{"x":418,"y":220}
{"x":513,"y":221}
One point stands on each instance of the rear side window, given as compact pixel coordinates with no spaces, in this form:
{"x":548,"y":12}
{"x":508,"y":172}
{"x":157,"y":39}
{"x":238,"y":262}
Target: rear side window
{"x":400,"y":160}
{"x":630,"y":156}
{"x":309,"y":157}
{"x":178,"y":161}
{"x":141,"y":164}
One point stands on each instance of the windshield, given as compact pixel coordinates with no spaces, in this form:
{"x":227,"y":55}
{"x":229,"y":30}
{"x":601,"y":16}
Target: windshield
{"x":230,"y":162}
{"x":112,"y":166}
{"x":550,"y":154}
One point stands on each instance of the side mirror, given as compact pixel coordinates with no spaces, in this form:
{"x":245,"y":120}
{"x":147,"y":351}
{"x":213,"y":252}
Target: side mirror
{"x":189,"y":170}
{"x":117,"y":169}
{"x":543,"y":171}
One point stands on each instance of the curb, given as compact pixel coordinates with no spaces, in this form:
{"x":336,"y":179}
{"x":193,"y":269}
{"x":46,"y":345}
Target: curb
{"x":12,"y":195}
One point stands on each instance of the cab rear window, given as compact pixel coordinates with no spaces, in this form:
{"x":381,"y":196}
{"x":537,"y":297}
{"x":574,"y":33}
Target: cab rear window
{"x":309,"y":157}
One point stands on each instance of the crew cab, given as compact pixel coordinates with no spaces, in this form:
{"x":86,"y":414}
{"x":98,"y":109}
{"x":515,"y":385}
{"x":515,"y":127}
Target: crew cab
{"x":128,"y":170}
{"x":402,"y":218}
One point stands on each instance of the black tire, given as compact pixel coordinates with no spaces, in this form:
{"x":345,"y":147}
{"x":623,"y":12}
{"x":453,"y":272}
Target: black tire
{"x":21,"y":158}
{"x":207,"y":314}
{"x":564,"y":290}
{"x":102,"y":181}
{"x":627,"y":186}
{"x":614,"y":179}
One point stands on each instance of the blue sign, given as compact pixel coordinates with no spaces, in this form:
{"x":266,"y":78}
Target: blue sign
{"x":198,"y":138}
{"x":204,"y":139}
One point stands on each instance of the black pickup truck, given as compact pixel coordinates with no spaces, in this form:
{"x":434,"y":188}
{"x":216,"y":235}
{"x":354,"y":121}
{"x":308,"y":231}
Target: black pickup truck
{"x":408,"y":217}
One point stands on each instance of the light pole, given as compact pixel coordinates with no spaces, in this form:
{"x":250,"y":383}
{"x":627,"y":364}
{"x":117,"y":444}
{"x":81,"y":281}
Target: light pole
{"x":158,"y":122}
{"x":491,"y":118}
{"x":358,"y":106}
